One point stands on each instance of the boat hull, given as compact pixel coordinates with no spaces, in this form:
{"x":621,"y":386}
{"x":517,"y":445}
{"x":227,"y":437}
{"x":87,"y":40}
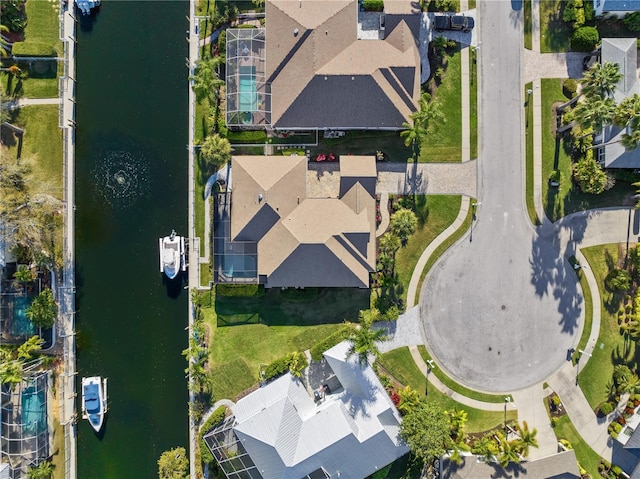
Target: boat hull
{"x":172,"y":255}
{"x":94,"y":401}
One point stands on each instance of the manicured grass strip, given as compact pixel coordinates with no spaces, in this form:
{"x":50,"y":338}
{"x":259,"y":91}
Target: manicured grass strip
{"x":231,"y":378}
{"x":587,"y":307}
{"x":528,"y":41}
{"x":555,"y":35}
{"x":444,"y":144}
{"x":446,"y":244}
{"x":586,"y":456}
{"x":531,"y":209}
{"x":42,"y":147}
{"x":473,"y":103}
{"x":459,"y":388}
{"x":401,"y":365}
{"x":38,"y":85}
{"x":435,"y":214}
{"x":42,"y":24}
{"x":598,"y":372}
{"x":567,"y":198}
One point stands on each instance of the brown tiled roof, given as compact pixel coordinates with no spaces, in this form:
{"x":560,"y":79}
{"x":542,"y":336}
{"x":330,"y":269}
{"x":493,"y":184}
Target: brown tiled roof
{"x":305,"y":241}
{"x":326,"y":49}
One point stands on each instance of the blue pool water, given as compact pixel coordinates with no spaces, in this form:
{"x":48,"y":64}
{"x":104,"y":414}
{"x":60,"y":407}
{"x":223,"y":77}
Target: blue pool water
{"x":21,"y":326}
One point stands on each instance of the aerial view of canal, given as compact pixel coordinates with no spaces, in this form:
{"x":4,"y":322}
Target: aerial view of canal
{"x":131,"y":189}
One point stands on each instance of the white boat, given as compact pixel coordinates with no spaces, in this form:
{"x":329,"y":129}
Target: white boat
{"x":172,"y":255}
{"x":94,"y":401}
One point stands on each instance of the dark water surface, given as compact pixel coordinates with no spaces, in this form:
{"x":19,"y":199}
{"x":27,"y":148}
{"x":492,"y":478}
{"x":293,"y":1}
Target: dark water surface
{"x":131,"y":188}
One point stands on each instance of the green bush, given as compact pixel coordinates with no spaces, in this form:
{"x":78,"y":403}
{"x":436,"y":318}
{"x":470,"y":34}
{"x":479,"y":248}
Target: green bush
{"x":329,"y":342}
{"x":606,"y":408}
{"x":632,"y":22}
{"x":243,"y":290}
{"x":589,"y":175}
{"x":373,"y":5}
{"x":618,"y":280}
{"x":569,"y":87}
{"x":290,"y":362}
{"x":216,"y":417}
{"x":33,"y":49}
{"x":585,"y":39}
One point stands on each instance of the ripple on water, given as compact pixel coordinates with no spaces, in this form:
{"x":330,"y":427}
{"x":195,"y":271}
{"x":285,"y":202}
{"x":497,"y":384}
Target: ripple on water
{"x":121,"y":177}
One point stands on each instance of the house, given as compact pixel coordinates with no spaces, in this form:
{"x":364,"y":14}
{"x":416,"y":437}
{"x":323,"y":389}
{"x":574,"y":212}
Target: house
{"x":345,"y":425}
{"x":622,"y":51}
{"x":301,"y":241}
{"x":615,"y":7}
{"x":558,"y":466}
{"x":324,"y":64}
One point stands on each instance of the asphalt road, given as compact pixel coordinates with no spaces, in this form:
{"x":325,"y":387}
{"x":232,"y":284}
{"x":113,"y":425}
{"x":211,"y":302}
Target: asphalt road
{"x":502,"y":307}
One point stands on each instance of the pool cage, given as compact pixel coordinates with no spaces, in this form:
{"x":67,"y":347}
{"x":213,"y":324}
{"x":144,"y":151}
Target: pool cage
{"x":24,"y":435}
{"x":229,"y":452}
{"x":248,"y":94}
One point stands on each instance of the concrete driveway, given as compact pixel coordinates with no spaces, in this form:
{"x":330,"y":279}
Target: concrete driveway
{"x":502,"y":307}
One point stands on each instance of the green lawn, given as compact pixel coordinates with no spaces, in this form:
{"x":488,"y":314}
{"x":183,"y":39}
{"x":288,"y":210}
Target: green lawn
{"x":42,"y":147}
{"x":567,"y":198}
{"x":42,"y":81}
{"x":459,"y":388}
{"x":401,"y":366}
{"x":528,"y":42}
{"x":555,"y":35}
{"x":612,"y":347}
{"x":531,"y":209}
{"x":43,"y":24}
{"x":446,"y":244}
{"x":587,"y":457}
{"x":444,"y":144}
{"x":588,"y":310}
{"x":248,"y":331}
{"x":435,"y":214}
{"x":473,"y":103}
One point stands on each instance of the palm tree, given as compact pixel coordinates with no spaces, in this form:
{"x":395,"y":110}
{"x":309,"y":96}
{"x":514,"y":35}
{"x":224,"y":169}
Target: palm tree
{"x":44,"y":470}
{"x":527,"y":438}
{"x":631,"y":141}
{"x":30,"y":346}
{"x":206,"y":80}
{"x":508,"y":452}
{"x":23,"y":274}
{"x":458,"y":418}
{"x":629,"y":384}
{"x":403,"y":223}
{"x":595,"y":112}
{"x":628,"y":109}
{"x":601,"y":79}
{"x":43,"y":310}
{"x":409,"y":400}
{"x":364,"y":339}
{"x":11,"y":372}
{"x":413,"y":134}
{"x":216,"y":151}
{"x":422,"y":121}
{"x":389,"y":244}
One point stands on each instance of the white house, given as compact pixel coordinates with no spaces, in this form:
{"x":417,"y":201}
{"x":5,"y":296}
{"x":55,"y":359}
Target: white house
{"x":348,"y":427}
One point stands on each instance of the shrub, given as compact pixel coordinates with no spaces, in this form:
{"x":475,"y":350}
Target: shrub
{"x":573,"y":12}
{"x":566,"y":444}
{"x":569,"y":87}
{"x":216,"y":417}
{"x":618,"y":280}
{"x":373,"y":5}
{"x":632,"y":21}
{"x":330,"y":341}
{"x":589,"y":175}
{"x":585,"y":39}
{"x":294,"y":362}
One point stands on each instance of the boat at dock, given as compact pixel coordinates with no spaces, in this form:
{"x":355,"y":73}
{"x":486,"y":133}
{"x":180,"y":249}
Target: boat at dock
{"x":172,"y":255}
{"x":85,"y":6}
{"x":94,"y":401}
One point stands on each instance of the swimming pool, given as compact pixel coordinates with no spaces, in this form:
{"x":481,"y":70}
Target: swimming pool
{"x":21,"y":325}
{"x":34,"y":411}
{"x":247,"y":93}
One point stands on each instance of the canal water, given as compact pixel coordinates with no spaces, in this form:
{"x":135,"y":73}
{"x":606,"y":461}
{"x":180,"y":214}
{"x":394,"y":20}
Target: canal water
{"x":131,"y":188}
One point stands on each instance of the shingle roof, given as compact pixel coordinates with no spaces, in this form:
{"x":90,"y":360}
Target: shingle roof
{"x":559,"y":466}
{"x":324,"y":77}
{"x":620,"y":5}
{"x":334,"y":238}
{"x":354,"y":431}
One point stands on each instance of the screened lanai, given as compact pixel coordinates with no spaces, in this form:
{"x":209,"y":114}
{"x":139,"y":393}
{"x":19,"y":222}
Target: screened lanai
{"x":248,"y":95}
{"x":25,"y":434}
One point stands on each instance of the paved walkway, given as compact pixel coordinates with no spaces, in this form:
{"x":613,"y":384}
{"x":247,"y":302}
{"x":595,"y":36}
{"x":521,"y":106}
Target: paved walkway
{"x":20,"y":102}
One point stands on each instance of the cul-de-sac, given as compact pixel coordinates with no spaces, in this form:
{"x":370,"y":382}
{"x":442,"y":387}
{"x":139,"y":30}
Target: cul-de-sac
{"x":312,"y":239}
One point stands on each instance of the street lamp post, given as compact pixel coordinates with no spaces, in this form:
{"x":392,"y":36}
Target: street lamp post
{"x":578,"y":363}
{"x":430,"y":365}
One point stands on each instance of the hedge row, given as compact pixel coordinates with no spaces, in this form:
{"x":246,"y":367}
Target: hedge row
{"x":216,"y":417}
{"x":282,"y":365}
{"x":244,"y":290}
{"x":373,"y":5}
{"x":329,"y":342}
{"x":33,"y":49}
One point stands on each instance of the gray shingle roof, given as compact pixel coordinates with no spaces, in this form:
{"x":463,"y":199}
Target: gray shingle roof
{"x":621,"y":5}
